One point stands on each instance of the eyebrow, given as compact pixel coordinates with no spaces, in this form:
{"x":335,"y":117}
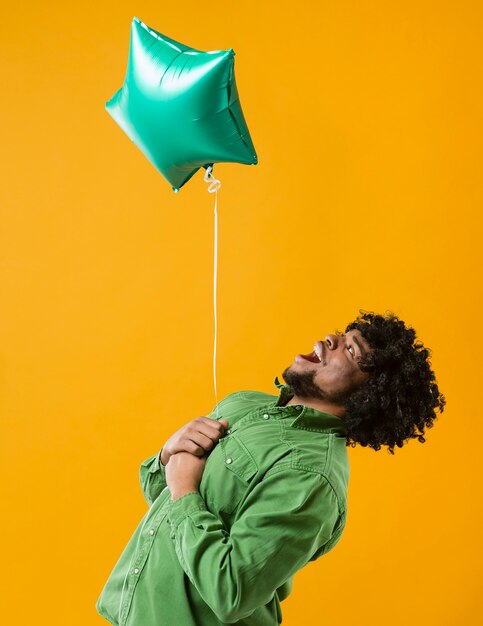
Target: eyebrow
{"x":356,"y":341}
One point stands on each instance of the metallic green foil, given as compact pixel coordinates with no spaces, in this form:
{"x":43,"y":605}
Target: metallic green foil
{"x":180,"y":106}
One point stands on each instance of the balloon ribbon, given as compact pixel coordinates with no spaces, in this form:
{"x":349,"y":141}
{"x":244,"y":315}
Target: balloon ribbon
{"x":214,"y":185}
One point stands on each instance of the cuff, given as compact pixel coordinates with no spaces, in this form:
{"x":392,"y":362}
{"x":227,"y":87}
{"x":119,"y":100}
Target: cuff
{"x":183,"y":506}
{"x":153,"y":464}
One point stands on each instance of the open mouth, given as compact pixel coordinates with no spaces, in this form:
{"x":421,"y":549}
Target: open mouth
{"x":316,"y":356}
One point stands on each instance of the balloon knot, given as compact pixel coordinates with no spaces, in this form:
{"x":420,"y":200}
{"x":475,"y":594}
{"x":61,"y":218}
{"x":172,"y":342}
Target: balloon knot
{"x":214,"y":183}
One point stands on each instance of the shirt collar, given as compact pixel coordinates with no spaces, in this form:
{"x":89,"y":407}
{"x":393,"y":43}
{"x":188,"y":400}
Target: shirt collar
{"x":307,"y":417}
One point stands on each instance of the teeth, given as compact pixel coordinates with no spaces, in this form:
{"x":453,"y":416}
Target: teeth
{"x":318,"y":351}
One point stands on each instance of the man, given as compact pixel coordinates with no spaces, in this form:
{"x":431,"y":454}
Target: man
{"x":242,"y":501}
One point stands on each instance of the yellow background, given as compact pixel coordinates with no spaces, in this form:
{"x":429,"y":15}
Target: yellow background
{"x":366,"y":117}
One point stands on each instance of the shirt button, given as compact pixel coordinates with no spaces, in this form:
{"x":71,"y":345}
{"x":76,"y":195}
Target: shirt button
{"x":151,"y":532}
{"x":228,"y":460}
{"x":266,"y":416}
{"x":228,"y":432}
{"x":136,"y":571}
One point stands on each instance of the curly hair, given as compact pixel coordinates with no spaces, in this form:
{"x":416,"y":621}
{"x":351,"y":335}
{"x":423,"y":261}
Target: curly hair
{"x":400,"y":396}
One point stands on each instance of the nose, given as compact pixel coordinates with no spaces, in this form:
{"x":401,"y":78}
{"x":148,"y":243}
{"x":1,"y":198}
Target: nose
{"x":331,"y":341}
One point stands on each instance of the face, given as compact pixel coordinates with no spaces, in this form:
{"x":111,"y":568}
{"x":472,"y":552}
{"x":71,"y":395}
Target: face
{"x":331,"y":372}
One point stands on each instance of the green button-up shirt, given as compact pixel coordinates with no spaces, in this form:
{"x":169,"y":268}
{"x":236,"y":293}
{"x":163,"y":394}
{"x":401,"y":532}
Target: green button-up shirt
{"x":273,"y":497}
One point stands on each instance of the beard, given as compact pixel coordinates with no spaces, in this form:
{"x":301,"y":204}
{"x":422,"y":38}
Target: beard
{"x":303,"y":385}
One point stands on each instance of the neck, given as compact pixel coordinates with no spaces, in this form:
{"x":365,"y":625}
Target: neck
{"x":319,"y":405}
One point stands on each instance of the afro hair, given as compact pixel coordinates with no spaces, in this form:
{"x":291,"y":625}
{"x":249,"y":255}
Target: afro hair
{"x":400,"y":396}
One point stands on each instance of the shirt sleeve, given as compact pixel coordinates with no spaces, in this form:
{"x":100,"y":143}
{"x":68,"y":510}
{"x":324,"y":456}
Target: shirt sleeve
{"x":152,"y":475}
{"x":285,"y":519}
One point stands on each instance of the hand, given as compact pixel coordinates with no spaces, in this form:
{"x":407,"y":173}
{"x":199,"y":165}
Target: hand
{"x":197,"y":437}
{"x":183,"y":473}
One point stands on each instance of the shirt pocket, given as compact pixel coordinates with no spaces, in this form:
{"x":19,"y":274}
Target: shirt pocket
{"x":229,"y":475}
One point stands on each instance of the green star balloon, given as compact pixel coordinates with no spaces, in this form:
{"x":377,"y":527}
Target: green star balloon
{"x":180,"y":106}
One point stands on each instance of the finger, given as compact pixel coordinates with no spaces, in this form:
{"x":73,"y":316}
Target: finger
{"x":191,"y":444}
{"x":217,"y":425}
{"x":214,"y":430}
{"x":206,"y":440}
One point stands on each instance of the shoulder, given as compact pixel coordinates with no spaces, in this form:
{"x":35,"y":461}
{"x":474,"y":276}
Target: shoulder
{"x":321,"y":453}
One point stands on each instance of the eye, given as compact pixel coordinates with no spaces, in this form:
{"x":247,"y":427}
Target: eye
{"x":353,"y":351}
